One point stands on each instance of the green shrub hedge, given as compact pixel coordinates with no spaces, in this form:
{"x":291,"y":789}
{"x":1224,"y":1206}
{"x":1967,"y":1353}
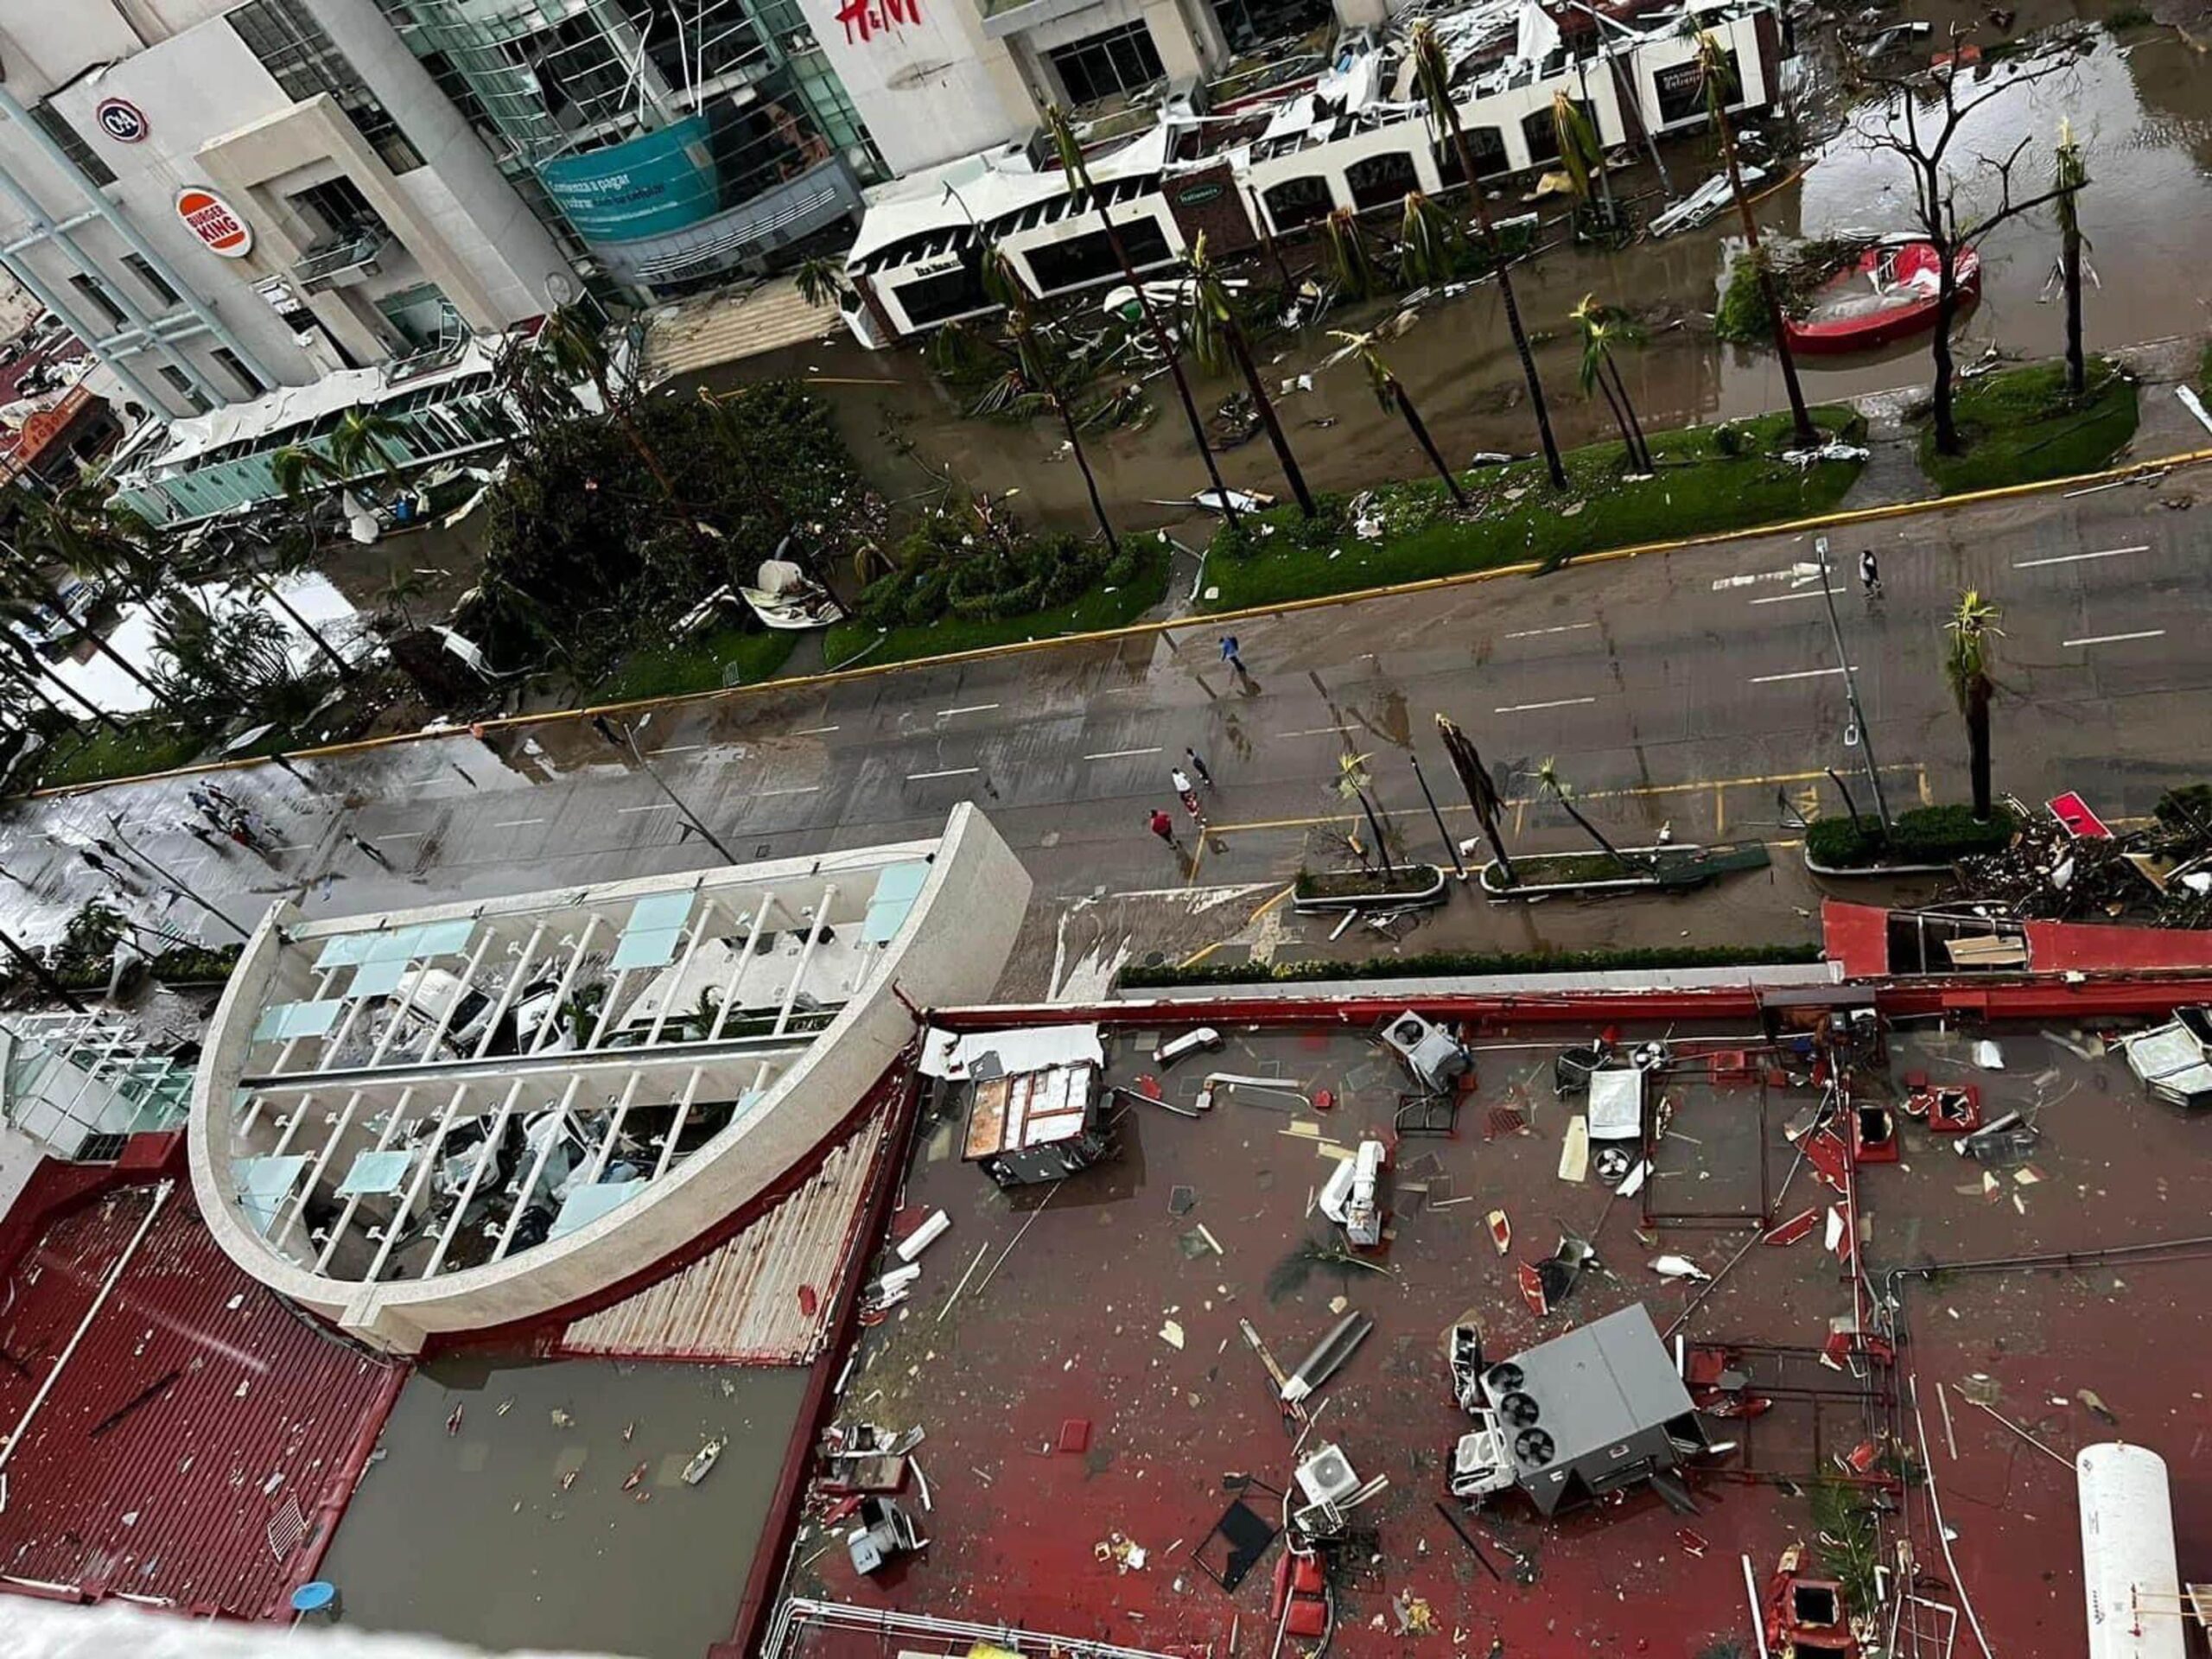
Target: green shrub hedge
{"x":1432,"y":964}
{"x":1926,"y":835}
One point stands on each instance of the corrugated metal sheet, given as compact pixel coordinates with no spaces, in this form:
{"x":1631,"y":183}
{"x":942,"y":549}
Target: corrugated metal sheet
{"x":743,"y":1302}
{"x":197,"y":1404}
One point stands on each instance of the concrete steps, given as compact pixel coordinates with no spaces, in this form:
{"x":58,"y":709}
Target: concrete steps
{"x":725,"y":328}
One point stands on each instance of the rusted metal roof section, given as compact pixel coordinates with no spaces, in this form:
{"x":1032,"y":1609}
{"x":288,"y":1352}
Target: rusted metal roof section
{"x":194,"y":1411}
{"x":764,"y":1298}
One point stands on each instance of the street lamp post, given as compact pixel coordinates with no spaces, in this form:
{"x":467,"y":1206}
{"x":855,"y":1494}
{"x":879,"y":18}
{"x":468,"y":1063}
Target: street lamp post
{"x":41,"y":973}
{"x":1859,"y":730}
{"x":1450,"y":845}
{"x":623,"y":738}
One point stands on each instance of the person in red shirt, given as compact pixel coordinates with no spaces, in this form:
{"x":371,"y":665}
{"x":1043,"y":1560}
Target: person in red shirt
{"x":1163,"y":826}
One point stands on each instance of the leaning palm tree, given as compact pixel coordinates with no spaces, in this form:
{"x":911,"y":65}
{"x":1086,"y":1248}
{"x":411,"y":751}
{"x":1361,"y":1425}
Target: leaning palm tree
{"x":1966,"y":668}
{"x":1344,"y":255}
{"x":1390,"y":394}
{"x":263,"y":580}
{"x":1718,"y":79}
{"x":1433,"y":73}
{"x":1003,"y":283}
{"x":1217,"y":338}
{"x":1601,"y":331}
{"x":29,"y":669}
{"x":1554,"y":786}
{"x":24,"y":575}
{"x":1076,"y":171}
{"x":1353,"y":781}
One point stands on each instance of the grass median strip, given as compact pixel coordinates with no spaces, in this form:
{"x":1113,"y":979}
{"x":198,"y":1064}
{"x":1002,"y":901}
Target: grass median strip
{"x":725,"y":657}
{"x":2020,"y":427}
{"x":1710,"y":478}
{"x":1104,"y":607}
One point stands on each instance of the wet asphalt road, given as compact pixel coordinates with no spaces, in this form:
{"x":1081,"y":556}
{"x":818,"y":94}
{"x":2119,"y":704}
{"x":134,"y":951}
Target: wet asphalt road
{"x":1688,"y":689}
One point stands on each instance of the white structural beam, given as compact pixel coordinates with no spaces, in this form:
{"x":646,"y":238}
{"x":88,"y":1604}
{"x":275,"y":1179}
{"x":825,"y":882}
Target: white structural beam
{"x":676,"y":1129}
{"x":559,"y":1127}
{"x":567,"y":980}
{"x":805,"y":955}
{"x":488,"y":1150}
{"x":676,"y":986}
{"x":281,"y":1234}
{"x":599,"y":1158}
{"x":460,"y":992}
{"x":345,"y":1222}
{"x":515,"y":982}
{"x":744,"y":961}
{"x":425,"y":1166}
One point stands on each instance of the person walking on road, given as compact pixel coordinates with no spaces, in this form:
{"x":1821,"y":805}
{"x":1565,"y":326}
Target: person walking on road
{"x":1164,"y":827}
{"x":1870,"y":574}
{"x":1181,"y":780}
{"x":1198,"y":766}
{"x":1230,"y":654}
{"x":368,"y":847}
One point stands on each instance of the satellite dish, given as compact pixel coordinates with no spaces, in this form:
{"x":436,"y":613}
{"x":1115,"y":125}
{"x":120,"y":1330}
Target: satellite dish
{"x":560,"y":288}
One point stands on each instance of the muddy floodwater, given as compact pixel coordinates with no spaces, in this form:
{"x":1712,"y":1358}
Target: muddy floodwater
{"x":481,"y":1535}
{"x":2141,"y":106}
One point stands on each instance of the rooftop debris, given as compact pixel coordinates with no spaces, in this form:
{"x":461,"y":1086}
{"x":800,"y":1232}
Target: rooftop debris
{"x":2158,"y":874}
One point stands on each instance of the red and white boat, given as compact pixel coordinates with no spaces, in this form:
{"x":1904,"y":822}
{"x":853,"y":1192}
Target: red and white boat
{"x":1886,"y":294}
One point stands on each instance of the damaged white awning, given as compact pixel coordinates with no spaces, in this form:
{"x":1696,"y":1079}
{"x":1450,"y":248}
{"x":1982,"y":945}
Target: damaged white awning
{"x":994,"y":1053}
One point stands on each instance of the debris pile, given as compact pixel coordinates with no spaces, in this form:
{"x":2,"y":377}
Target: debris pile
{"x":2159,"y":874}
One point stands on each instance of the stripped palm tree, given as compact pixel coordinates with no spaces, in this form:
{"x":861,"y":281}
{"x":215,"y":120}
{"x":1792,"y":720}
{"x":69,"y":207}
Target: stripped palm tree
{"x":1557,"y":787}
{"x":1434,"y":73}
{"x":1429,"y":243}
{"x":577,"y":349}
{"x":1582,"y":158}
{"x":1718,"y":77}
{"x":1217,"y":338}
{"x":1353,"y":781}
{"x":1076,"y":171}
{"x":1003,"y":283}
{"x":1602,"y":329}
{"x":1390,"y":395}
{"x":2069,"y":173}
{"x":1344,"y":255}
{"x":1966,"y":670}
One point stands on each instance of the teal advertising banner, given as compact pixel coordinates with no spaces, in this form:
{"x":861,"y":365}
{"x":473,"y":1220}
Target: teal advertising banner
{"x":647,"y":186}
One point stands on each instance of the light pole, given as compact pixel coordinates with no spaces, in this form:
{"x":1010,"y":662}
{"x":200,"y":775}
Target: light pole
{"x":1450,"y":845}
{"x":1857,"y":732}
{"x":41,"y":973}
{"x":622,"y":738}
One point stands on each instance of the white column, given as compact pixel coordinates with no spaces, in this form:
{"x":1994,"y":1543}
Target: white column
{"x":391,"y":1123}
{"x":567,"y":978}
{"x":507,"y":997}
{"x":691,"y":950}
{"x":737,"y":974}
{"x":299,"y":1201}
{"x":467,"y":984}
{"x":676,"y":1129}
{"x":598,"y":1166}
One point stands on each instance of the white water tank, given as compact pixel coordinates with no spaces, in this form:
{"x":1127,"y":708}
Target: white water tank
{"x":2129,"y":1576}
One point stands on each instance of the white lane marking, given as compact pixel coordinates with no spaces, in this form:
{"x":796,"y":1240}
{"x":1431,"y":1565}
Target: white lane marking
{"x":1798,"y":574}
{"x":1121,"y":754}
{"x":404,"y":834}
{"x":676,"y":748}
{"x":949,"y":772}
{"x":803,"y":789}
{"x":1784,"y":599}
{"x":516,"y":823}
{"x":2115,"y":639}
{"x":1318,"y":731}
{"x":814,"y":731}
{"x":1532,"y":633}
{"x":1802,"y":674}
{"x":1530,"y":708}
{"x":2076,"y":559}
{"x":967,"y":709}
{"x":657,"y":806}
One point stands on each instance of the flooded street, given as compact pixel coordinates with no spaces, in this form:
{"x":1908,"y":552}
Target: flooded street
{"x":2142,"y":109}
{"x":514,"y":1530}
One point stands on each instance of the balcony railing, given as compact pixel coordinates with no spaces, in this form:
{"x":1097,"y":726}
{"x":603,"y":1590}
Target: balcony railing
{"x":353,"y":251}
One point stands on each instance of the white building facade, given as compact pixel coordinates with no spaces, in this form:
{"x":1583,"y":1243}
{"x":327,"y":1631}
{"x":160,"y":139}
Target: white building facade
{"x":221,"y":199}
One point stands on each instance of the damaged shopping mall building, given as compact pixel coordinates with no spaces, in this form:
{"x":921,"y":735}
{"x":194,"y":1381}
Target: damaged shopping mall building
{"x":707,"y":1264}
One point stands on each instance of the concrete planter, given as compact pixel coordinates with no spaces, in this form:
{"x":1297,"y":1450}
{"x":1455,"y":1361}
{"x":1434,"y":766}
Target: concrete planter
{"x":1494,"y":888}
{"x":1424,"y":898}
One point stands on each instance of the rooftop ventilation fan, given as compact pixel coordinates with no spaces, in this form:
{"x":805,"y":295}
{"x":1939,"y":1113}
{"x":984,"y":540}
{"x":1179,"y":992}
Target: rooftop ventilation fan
{"x":1408,"y":1031}
{"x":1505,"y":1376}
{"x":1532,"y":1445}
{"x":1519,"y":1409}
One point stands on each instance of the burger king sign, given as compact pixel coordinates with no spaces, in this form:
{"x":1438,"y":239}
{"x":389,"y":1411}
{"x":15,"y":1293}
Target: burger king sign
{"x":211,"y":218}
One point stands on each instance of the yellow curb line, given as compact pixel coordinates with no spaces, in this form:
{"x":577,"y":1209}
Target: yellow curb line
{"x":1141,"y":630}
